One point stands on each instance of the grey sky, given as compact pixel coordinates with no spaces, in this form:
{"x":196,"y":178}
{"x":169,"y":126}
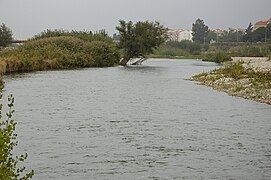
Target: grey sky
{"x":29,"y":17}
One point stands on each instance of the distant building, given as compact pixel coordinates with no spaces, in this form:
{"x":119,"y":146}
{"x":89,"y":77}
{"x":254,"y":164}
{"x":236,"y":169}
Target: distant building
{"x":172,"y":35}
{"x":262,"y":23}
{"x":185,"y":35}
{"x":219,"y":32}
{"x":222,"y":32}
{"x":237,"y":30}
{"x":179,"y":35}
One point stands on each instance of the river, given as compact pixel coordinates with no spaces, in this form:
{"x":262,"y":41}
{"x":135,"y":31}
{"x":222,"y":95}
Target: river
{"x":144,"y":122}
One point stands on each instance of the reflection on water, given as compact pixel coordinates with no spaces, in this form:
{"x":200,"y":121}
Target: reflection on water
{"x":143,"y":122}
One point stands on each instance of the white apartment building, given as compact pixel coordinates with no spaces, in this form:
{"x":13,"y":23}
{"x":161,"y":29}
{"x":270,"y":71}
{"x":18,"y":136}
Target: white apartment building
{"x":180,"y":35}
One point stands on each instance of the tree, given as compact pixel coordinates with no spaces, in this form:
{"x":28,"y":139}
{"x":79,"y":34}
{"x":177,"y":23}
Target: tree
{"x":258,"y":35}
{"x":140,"y":39}
{"x":200,"y":31}
{"x":232,"y":35}
{"x":249,"y":28}
{"x":8,"y":163}
{"x":212,"y":37}
{"x":268,"y":32}
{"x":248,"y":33}
{"x":186,"y":45}
{"x":5,"y":35}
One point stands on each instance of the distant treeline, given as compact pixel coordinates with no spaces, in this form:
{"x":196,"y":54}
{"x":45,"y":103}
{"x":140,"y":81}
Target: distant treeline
{"x":212,"y":52}
{"x":218,"y":46}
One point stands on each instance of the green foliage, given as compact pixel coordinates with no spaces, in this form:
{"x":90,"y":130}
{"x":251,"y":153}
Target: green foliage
{"x":268,"y":32}
{"x":5,"y":35}
{"x":62,"y":52}
{"x":258,"y":35}
{"x":205,"y":47}
{"x":235,"y":79}
{"x":141,"y":38}
{"x":217,"y":57}
{"x":83,"y":35}
{"x":248,"y":33}
{"x":235,"y":71}
{"x":170,"y":52}
{"x":200,"y":31}
{"x":175,"y":49}
{"x":103,"y":54}
{"x":186,"y":45}
{"x":261,"y":34}
{"x":212,"y":36}
{"x":257,"y":50}
{"x":249,"y":28}
{"x":232,"y":36}
{"x":8,"y":163}
{"x":214,"y":52}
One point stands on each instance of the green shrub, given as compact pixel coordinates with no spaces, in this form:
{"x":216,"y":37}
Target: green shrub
{"x":233,"y":70}
{"x":173,"y":49}
{"x":63,"y":52}
{"x":260,"y":50}
{"x":170,"y":52}
{"x":5,"y":35}
{"x":103,"y":54}
{"x":217,"y":57}
{"x":8,"y":162}
{"x":185,"y":45}
{"x":83,"y":35}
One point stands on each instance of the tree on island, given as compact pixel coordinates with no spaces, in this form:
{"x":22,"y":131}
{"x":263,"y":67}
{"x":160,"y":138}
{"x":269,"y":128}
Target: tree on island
{"x":200,"y":31}
{"x":139,"y":39}
{"x":5,"y":35}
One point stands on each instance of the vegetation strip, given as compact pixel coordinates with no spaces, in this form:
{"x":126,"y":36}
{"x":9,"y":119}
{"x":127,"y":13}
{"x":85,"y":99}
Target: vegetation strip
{"x":238,"y":79}
{"x":60,"y":50}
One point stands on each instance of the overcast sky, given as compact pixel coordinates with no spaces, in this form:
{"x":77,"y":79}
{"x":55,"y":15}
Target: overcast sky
{"x":29,"y":17}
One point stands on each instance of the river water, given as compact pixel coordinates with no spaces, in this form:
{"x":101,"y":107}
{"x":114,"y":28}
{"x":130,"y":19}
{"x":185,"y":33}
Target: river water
{"x":144,"y":122}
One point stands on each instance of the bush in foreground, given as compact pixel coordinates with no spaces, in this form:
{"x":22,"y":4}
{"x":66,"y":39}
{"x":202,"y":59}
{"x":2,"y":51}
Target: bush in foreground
{"x":8,"y":162}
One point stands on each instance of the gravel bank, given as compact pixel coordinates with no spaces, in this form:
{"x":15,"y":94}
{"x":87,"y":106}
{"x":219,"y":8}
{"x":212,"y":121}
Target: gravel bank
{"x":250,"y":80}
{"x":262,"y":64}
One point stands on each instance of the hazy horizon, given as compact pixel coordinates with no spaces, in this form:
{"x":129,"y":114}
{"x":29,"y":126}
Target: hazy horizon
{"x":29,"y":17}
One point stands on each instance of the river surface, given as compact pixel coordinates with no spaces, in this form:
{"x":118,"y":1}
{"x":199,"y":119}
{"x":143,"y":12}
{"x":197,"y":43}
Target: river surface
{"x":144,"y":122}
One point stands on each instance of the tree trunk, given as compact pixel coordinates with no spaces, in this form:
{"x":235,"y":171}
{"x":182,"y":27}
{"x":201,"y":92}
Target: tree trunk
{"x":123,"y":61}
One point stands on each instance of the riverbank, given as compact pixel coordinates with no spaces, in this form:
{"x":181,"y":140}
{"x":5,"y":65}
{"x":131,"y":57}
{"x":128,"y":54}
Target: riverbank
{"x":246,"y":77}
